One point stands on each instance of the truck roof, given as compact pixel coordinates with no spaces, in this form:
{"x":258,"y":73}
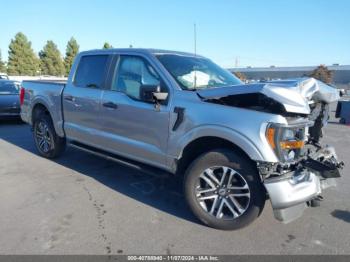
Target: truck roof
{"x":136,"y":51}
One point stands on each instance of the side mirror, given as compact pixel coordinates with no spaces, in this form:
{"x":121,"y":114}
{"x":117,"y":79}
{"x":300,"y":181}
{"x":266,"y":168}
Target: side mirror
{"x":151,"y":93}
{"x":160,"y":96}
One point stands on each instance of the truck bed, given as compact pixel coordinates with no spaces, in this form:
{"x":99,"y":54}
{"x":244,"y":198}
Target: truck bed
{"x":49,"y":94}
{"x":50,"y":82}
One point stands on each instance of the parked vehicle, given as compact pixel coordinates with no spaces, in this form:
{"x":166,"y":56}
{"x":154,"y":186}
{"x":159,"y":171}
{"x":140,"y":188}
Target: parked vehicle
{"x":4,"y":76}
{"x":233,"y":144}
{"x":9,"y":99}
{"x":343,"y":112}
{"x":342,"y":92}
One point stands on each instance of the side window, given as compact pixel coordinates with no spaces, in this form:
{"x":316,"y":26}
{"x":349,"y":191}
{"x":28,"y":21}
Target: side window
{"x":132,"y":73}
{"x":91,"y":71}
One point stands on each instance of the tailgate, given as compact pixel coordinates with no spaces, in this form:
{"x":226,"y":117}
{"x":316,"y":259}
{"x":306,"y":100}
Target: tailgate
{"x":47,"y":94}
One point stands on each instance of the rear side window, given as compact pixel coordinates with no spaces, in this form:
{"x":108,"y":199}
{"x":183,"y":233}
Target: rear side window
{"x":91,"y":71}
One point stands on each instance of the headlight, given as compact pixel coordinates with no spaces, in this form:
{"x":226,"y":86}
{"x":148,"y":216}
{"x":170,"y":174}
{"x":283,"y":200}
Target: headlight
{"x":286,"y":142}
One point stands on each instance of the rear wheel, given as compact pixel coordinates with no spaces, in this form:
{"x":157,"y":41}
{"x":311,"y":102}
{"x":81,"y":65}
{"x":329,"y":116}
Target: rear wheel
{"x":47,"y":142}
{"x":224,"y":190}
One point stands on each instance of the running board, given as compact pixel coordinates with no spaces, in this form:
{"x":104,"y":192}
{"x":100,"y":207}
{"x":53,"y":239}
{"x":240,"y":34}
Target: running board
{"x":146,"y":169}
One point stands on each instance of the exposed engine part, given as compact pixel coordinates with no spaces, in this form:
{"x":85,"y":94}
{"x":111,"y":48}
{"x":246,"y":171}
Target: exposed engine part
{"x":322,"y":162}
{"x":253,"y":101}
{"x":325,"y":169}
{"x":319,"y":114}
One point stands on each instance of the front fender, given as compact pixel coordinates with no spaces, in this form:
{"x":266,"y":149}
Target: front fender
{"x":256,"y":149}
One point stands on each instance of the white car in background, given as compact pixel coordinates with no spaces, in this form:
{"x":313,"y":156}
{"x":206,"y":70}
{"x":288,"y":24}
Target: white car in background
{"x":4,"y":76}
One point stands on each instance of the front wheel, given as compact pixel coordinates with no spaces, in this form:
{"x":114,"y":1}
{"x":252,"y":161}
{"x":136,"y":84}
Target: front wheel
{"x":48,"y":143}
{"x":224,"y":190}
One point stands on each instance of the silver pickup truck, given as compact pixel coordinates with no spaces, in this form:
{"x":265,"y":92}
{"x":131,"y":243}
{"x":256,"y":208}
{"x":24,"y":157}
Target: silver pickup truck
{"x":235,"y":145}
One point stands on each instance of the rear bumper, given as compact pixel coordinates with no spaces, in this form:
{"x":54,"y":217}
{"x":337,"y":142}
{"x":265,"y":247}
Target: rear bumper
{"x":292,"y":192}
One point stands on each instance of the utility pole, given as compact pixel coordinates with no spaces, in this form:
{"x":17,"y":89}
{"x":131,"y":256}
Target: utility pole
{"x":236,"y":62}
{"x":195,"y":38}
{"x":195,"y":53}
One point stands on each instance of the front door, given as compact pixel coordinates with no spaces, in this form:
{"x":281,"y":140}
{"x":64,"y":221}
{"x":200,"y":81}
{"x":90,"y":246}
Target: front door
{"x":134,"y":128}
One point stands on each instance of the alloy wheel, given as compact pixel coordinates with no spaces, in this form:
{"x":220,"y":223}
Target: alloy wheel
{"x":43,"y":137}
{"x":222,"y":192}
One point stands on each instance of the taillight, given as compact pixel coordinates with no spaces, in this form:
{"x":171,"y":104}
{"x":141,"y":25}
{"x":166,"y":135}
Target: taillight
{"x":21,"y":95}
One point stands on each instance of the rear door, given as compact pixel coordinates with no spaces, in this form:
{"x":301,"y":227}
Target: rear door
{"x":132,"y":127}
{"x":82,"y":99}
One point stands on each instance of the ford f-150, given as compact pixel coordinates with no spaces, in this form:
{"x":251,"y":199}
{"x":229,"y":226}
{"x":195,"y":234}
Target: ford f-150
{"x":235,"y":145}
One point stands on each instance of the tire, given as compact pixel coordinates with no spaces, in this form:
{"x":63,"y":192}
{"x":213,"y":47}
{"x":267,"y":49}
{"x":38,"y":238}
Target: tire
{"x":47,"y":142}
{"x":245,"y":194}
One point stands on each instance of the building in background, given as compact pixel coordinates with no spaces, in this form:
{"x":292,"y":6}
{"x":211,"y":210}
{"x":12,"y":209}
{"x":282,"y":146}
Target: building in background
{"x":341,"y":73}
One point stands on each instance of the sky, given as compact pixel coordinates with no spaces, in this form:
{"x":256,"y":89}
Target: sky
{"x":230,"y":32}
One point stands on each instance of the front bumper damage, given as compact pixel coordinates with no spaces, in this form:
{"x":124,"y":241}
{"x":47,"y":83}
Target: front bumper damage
{"x":293,"y":190}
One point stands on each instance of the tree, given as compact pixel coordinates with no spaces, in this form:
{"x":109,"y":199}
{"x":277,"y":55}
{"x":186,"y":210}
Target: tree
{"x":71,"y":51}
{"x":106,"y":45}
{"x":22,"y":59}
{"x":2,"y":64}
{"x":241,"y":76}
{"x":323,"y":74}
{"x":51,"y":62}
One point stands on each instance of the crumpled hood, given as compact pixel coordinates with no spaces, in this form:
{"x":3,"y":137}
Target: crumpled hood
{"x":295,"y":94}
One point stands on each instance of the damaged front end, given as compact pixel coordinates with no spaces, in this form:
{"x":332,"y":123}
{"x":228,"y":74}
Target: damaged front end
{"x":305,"y":167}
{"x":296,"y":185}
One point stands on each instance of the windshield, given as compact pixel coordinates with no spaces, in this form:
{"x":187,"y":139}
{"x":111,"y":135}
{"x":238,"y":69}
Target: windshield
{"x":197,"y":72}
{"x":9,"y":88}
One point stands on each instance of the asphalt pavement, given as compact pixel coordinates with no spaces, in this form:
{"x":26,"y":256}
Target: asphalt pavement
{"x":82,"y":204}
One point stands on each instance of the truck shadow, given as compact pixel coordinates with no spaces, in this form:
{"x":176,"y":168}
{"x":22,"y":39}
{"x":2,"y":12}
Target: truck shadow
{"x":161,"y":191}
{"x":342,"y":215}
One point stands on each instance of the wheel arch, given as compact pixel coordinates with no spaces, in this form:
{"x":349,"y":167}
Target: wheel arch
{"x":40,"y":106}
{"x":204,"y":144}
{"x":208,"y":137}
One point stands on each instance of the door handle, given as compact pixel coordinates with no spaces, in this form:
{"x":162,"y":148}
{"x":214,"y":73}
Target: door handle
{"x":69,"y":98}
{"x":110,"y":105}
